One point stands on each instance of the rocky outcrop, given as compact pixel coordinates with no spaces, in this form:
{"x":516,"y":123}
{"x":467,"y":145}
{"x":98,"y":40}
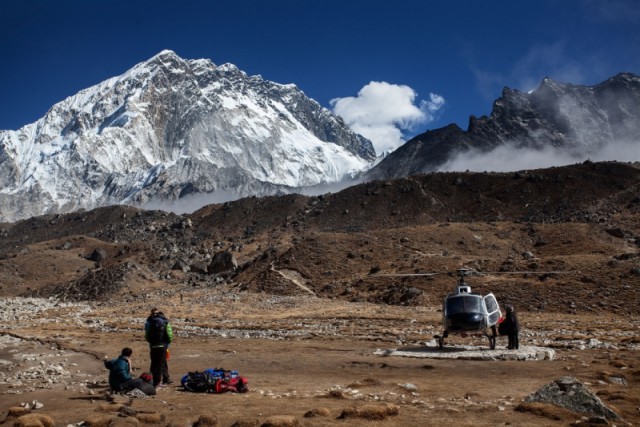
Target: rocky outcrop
{"x":571,"y":394}
{"x":578,"y":120}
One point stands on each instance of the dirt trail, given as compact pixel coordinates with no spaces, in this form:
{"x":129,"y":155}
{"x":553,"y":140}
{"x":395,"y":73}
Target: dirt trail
{"x":296,"y":278}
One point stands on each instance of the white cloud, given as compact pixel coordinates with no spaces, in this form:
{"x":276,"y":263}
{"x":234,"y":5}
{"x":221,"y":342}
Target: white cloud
{"x":191,"y":202}
{"x":507,"y":158}
{"x":382,"y":111}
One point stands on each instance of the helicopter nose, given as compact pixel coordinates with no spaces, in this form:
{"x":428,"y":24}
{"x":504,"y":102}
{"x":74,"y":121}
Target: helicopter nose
{"x":466,"y":321}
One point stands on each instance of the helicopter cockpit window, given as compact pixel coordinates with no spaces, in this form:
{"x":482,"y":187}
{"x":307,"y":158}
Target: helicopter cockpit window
{"x":464,"y":304}
{"x":493,"y":310}
{"x":492,"y":304}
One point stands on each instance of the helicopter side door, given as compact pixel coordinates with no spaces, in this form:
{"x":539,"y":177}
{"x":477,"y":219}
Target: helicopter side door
{"x":493,"y":309}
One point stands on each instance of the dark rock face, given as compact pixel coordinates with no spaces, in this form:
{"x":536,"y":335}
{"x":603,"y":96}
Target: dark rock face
{"x":571,"y":394}
{"x":576,"y":119}
{"x":98,"y":255}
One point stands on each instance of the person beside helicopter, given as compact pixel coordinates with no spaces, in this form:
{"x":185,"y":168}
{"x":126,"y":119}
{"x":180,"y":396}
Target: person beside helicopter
{"x":510,"y":327}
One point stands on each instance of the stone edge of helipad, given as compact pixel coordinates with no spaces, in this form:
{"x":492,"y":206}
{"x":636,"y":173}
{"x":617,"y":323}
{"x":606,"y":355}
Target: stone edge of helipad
{"x":470,"y":353}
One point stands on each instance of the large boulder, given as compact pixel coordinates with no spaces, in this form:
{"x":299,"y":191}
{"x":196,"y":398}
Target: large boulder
{"x":99,"y":255}
{"x":223,"y":261}
{"x":571,"y":394}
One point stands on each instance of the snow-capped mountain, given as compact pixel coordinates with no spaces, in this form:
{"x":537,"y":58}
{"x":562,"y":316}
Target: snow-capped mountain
{"x":171,"y":127}
{"x":575,"y":121}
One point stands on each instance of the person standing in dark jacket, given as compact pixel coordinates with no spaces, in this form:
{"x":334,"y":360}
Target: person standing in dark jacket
{"x":120,"y":378}
{"x":511,"y":327}
{"x":159,"y":334}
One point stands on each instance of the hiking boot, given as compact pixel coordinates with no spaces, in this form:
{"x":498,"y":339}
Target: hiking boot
{"x":167,"y":382}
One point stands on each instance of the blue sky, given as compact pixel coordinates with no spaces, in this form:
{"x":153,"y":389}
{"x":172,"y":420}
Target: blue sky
{"x":412,"y":65}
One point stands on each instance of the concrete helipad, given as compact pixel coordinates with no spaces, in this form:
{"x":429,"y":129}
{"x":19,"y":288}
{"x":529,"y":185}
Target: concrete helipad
{"x":432,"y":351}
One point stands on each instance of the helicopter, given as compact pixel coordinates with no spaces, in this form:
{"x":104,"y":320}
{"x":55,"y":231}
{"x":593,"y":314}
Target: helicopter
{"x":467,"y":313}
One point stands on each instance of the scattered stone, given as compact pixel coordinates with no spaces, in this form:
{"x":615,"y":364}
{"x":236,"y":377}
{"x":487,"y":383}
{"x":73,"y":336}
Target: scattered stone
{"x":618,"y":380}
{"x":408,"y":387}
{"x":366,"y":382}
{"x":65,"y":246}
{"x":98,"y":255}
{"x":181,"y":265}
{"x":137,"y":393}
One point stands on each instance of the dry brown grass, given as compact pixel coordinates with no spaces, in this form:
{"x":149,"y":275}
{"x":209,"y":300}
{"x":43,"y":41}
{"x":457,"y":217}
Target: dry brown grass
{"x":281,"y":421}
{"x":547,"y":410}
{"x":318,"y":413}
{"x":35,"y":420}
{"x":206,"y":420}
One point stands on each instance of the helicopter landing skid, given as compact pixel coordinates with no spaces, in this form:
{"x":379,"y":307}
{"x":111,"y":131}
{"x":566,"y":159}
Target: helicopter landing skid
{"x":441,"y":338}
{"x":492,"y":338}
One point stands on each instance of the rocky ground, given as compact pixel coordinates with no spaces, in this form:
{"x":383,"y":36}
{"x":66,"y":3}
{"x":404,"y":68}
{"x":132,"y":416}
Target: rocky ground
{"x":298,"y":294}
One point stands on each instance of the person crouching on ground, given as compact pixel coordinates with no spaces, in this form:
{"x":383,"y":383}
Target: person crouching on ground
{"x":120,"y":378}
{"x":159,"y":334}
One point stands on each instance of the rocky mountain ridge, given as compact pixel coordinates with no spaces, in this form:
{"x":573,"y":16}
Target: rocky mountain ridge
{"x":574,"y":119}
{"x":581,"y":218}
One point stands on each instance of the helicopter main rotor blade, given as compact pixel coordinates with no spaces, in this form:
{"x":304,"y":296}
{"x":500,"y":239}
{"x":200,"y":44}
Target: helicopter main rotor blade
{"x":407,"y":274}
{"x":525,"y":272}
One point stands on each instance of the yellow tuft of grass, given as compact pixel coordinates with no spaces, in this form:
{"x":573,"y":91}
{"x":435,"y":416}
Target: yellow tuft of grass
{"x":155,"y":418}
{"x":206,"y":420}
{"x":98,"y":420}
{"x":370,"y":412}
{"x":281,"y":421}
{"x":18,"y":411}
{"x":35,"y":420}
{"x":246,"y":423}
{"x":317,"y":412}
